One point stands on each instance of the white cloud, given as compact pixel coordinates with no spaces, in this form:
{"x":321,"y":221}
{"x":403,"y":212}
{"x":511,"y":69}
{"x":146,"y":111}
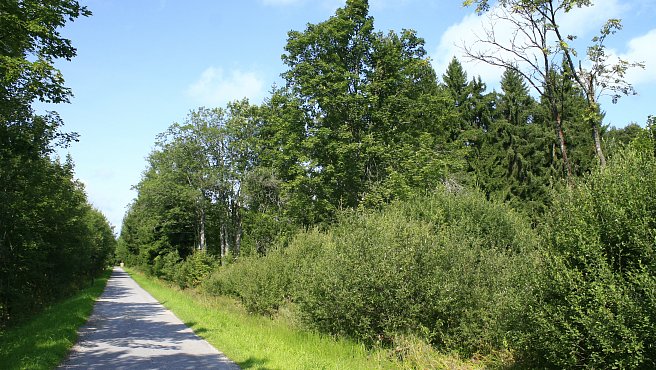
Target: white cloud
{"x":216,"y":88}
{"x":641,"y":49}
{"x":587,"y":21}
{"x":583,"y":22}
{"x":465,"y":33}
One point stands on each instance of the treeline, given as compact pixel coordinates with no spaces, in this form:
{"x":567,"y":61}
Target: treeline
{"x":376,"y":200}
{"x":52,"y":241}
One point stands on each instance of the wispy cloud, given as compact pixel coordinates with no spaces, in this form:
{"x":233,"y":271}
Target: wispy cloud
{"x":641,"y":49}
{"x":214,"y":87}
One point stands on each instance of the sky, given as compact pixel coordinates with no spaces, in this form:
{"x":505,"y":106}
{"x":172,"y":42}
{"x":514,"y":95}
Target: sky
{"x":142,"y":65}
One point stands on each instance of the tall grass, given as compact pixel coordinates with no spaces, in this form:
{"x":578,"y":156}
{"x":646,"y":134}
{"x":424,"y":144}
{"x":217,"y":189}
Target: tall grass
{"x":44,"y":340}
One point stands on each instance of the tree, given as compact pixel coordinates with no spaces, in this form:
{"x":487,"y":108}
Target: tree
{"x":195,"y":152}
{"x":51,"y":241}
{"x":515,"y":152}
{"x":367,"y":96}
{"x":329,"y":65}
{"x":536,"y":40}
{"x":31,"y":44}
{"x":474,"y":110}
{"x":455,"y":81}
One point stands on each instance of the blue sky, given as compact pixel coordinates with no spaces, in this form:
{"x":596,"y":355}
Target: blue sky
{"x":144,"y":64}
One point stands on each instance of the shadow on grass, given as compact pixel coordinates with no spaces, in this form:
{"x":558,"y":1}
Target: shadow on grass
{"x":196,"y":329}
{"x":254,"y":363}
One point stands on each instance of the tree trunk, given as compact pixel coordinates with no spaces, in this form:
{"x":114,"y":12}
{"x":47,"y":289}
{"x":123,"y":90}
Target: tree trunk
{"x":597,"y":143}
{"x":238,"y":227}
{"x":203,"y":243}
{"x":562,"y":143}
{"x":594,"y":109}
{"x":224,"y":242}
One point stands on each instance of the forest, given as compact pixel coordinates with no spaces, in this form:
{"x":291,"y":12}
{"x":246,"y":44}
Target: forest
{"x":52,"y":241}
{"x":369,"y":197}
{"x":379,"y":199}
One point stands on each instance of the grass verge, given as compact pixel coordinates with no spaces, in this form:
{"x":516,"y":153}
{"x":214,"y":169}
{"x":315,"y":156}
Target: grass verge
{"x":44,"y":340}
{"x":257,"y":342}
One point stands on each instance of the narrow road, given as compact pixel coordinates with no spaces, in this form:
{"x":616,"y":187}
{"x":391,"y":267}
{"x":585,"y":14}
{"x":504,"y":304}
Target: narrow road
{"x":129,"y":329}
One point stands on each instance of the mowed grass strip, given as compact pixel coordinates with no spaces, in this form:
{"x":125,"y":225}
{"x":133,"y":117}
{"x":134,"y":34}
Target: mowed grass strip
{"x":257,"y":342}
{"x":43,"y":341}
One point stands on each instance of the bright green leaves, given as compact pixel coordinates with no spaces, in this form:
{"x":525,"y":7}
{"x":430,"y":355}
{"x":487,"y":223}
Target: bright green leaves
{"x":368,"y":96}
{"x":31,"y":46}
{"x":599,"y":306}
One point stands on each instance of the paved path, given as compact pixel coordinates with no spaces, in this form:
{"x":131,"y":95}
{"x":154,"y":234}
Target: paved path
{"x":129,"y":329}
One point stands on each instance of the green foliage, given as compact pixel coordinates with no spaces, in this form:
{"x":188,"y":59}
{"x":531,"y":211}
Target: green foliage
{"x":262,"y":284}
{"x":44,"y":341}
{"x":194,"y":270}
{"x":514,"y":161}
{"x":166,"y":266}
{"x":31,"y":44}
{"x":51,"y":240}
{"x":439,"y":267}
{"x":190,"y":272}
{"x":597,"y":308}
{"x":453,"y":269}
{"x":367,"y":97}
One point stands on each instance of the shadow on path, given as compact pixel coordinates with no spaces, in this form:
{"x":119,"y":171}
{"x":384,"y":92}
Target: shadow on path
{"x":129,"y":329}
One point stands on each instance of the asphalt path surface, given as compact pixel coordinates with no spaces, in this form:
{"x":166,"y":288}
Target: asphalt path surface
{"x":129,"y":329}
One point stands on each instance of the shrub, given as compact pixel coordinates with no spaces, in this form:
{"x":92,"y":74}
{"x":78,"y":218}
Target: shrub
{"x":452,"y":269}
{"x":166,"y":266}
{"x":455,"y":269}
{"x":597,"y":309}
{"x":261,"y":283}
{"x":194,"y":270}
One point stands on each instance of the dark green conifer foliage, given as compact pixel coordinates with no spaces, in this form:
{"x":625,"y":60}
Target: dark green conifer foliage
{"x":515,"y":154}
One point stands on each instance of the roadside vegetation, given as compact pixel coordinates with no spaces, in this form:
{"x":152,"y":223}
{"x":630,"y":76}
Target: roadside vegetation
{"x":279,"y":342}
{"x":44,"y":340}
{"x":374,"y":200}
{"x":52,"y":241}
{"x":420,"y":219}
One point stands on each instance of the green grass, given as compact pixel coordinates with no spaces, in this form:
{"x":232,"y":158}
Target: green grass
{"x":257,"y":342}
{"x":44,"y":340}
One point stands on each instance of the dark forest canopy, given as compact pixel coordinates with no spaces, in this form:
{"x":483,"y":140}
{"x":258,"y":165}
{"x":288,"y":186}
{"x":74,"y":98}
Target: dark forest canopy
{"x":51,"y":240}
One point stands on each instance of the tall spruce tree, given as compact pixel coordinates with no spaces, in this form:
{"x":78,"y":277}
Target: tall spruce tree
{"x":515,"y":155}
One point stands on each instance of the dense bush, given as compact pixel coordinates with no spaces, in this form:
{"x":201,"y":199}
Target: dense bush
{"x":598,"y":308}
{"x":187,"y":273}
{"x":453,"y":269}
{"x":262,"y":284}
{"x":195,"y":269}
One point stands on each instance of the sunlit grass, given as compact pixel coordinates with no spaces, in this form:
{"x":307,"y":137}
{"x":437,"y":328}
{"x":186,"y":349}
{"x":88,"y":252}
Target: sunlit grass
{"x":43,"y":341}
{"x":257,"y":342}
